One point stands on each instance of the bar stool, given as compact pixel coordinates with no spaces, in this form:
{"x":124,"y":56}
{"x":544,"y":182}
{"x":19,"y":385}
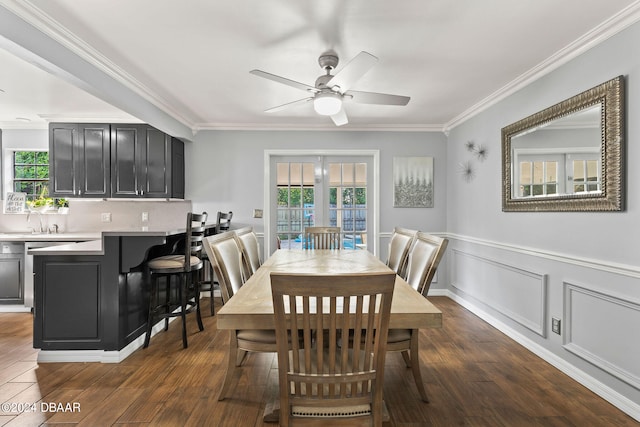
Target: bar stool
{"x":223,"y":224}
{"x":223,"y":221}
{"x":182,"y":297}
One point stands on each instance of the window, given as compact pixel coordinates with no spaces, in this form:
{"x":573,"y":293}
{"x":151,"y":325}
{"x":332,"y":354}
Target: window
{"x":31,"y":173}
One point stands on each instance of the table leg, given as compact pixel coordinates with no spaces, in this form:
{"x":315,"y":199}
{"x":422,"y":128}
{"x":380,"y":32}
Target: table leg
{"x":231,"y":364}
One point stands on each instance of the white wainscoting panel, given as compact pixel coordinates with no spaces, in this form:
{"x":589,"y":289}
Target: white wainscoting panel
{"x":595,"y":326}
{"x":518,"y":294}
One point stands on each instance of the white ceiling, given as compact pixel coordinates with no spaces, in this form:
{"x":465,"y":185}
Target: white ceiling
{"x":191,"y":59}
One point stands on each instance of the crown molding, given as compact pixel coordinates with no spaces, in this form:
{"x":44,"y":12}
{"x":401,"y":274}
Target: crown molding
{"x":35,"y":17}
{"x":607,"y":29}
{"x":31,"y":14}
{"x":319,"y":127}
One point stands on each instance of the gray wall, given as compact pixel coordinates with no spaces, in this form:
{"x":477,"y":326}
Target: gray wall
{"x":226,"y":170}
{"x":518,"y":270}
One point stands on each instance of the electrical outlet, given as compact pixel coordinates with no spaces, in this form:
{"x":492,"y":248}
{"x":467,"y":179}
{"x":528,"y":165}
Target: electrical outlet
{"x":105,"y":216}
{"x":257,"y":213}
{"x":145,"y":216}
{"x":555,"y":325}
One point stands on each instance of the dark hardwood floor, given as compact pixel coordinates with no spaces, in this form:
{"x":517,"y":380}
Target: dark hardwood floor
{"x":475,"y":376}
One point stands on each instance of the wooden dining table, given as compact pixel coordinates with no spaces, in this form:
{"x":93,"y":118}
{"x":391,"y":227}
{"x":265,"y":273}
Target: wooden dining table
{"x":252,"y":306}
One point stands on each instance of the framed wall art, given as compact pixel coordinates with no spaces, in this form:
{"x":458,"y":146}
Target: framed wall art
{"x":413,"y":182}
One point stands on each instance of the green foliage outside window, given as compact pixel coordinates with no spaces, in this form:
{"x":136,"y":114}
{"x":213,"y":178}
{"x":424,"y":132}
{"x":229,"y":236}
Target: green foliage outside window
{"x":31,"y":173}
{"x":293,"y":198}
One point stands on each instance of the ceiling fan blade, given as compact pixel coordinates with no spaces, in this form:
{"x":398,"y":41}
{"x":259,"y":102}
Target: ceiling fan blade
{"x":340,"y":118}
{"x":377,"y":98}
{"x":284,"y":80}
{"x":351,"y":72}
{"x":287,"y":105}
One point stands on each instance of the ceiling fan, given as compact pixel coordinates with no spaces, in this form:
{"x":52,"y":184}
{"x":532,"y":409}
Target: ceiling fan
{"x":330,"y":91}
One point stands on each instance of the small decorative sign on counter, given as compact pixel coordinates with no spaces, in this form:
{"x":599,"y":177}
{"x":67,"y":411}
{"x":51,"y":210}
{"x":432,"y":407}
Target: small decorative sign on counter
{"x":15,"y":202}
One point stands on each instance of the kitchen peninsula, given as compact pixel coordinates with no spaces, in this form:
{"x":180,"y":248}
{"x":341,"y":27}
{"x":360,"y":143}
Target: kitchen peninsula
{"x":90,"y":297}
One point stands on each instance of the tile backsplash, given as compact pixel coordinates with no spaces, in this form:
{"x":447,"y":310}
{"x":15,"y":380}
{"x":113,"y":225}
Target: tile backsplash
{"x":90,"y":215}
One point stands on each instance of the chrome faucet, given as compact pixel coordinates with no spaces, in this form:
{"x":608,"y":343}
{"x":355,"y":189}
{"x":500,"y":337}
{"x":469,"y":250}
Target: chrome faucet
{"x":40,"y":220}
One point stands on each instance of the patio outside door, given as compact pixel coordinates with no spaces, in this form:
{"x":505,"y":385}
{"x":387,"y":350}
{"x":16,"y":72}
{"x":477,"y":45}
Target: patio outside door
{"x":321,"y":191}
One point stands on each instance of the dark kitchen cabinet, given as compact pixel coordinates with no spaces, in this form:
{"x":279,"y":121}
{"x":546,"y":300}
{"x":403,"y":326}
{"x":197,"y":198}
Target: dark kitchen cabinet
{"x":114,"y":160}
{"x":143,"y":163}
{"x":11,"y":272}
{"x":79,"y":160}
{"x":177,"y":168}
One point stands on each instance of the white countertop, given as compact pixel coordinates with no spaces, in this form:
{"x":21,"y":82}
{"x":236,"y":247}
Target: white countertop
{"x":89,"y":243}
{"x":43,"y":237}
{"x":85,"y":243}
{"x":91,"y":247}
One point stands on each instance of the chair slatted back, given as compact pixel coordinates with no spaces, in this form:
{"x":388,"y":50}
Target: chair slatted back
{"x":322,"y":238}
{"x":399,"y":246}
{"x":337,"y":367}
{"x":424,"y":256}
{"x":226,"y":259}
{"x":194,"y":236}
{"x":223,"y":221}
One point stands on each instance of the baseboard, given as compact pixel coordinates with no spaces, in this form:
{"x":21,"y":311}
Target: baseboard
{"x":14,"y":308}
{"x":621,"y":402}
{"x":101,"y":356}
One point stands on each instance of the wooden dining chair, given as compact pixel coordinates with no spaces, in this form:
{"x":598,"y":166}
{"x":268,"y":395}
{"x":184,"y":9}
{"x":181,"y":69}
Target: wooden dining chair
{"x":423,"y":260}
{"x":181,"y":296}
{"x":226,"y":258}
{"x":250,"y":249}
{"x":320,"y":379}
{"x":399,"y":246}
{"x":208,"y":282}
{"x":322,"y":238}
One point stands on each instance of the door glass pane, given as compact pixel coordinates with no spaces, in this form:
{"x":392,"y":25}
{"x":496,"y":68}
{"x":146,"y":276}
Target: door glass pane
{"x":348,"y":177}
{"x":348,"y":201}
{"x":283,"y":197}
{"x":296,"y":201}
{"x":295,"y":198}
{"x":335,"y":174}
{"x":297,"y":220}
{"x":361,"y":174}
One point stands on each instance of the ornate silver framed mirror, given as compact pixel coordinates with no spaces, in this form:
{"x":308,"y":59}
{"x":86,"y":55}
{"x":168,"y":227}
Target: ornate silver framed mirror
{"x":568,"y":157}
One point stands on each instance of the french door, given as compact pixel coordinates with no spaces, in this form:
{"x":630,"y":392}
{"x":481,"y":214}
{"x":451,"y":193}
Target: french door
{"x":322,"y":190}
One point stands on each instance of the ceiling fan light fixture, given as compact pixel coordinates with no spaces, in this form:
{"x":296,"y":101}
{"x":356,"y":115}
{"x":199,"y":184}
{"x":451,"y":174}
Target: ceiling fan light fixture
{"x":327,"y":103}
